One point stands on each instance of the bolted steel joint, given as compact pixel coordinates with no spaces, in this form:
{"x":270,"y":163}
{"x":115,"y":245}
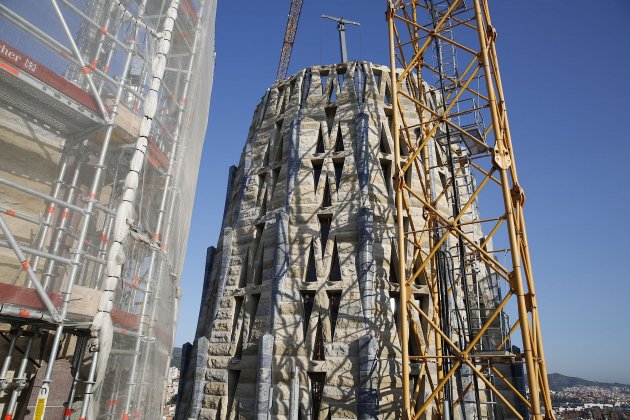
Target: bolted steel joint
{"x":501,"y":158}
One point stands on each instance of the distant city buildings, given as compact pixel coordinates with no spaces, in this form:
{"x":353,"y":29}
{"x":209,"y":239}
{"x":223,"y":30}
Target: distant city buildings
{"x":592,"y":402}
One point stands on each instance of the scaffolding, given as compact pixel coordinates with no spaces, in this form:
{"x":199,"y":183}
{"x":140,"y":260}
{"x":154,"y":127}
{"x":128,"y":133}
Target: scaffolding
{"x":444,"y":64}
{"x":103,"y":111}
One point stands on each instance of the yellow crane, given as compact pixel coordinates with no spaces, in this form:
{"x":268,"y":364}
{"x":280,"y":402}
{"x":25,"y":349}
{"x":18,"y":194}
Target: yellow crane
{"x":444,"y":64}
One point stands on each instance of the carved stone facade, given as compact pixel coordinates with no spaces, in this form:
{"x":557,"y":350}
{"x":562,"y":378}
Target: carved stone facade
{"x":299,"y":309}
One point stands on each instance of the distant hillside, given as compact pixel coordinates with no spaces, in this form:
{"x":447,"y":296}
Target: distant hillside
{"x":558,"y":382}
{"x":176,"y":358}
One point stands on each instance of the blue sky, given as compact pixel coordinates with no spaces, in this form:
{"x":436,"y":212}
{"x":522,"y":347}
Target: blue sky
{"x":565,"y":67}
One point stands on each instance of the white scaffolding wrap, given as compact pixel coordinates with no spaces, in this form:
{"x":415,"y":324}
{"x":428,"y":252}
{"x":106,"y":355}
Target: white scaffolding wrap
{"x":102,"y":326}
{"x":103,"y":112}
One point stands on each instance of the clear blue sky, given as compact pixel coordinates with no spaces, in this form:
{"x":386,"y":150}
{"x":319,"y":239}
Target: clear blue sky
{"x":566,"y":71}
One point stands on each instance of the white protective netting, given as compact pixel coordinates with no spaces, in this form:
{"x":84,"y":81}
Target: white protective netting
{"x":103,"y":112}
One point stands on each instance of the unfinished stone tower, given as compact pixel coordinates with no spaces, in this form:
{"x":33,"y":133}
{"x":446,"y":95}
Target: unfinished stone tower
{"x":298,"y":315}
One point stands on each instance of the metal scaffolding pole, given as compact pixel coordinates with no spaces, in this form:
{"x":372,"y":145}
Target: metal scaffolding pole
{"x":20,"y":379}
{"x":169,"y":176}
{"x":41,"y":290}
{"x":133,"y":375}
{"x":88,"y":211}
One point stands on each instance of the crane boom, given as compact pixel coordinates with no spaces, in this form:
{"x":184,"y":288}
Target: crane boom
{"x":289,"y":38}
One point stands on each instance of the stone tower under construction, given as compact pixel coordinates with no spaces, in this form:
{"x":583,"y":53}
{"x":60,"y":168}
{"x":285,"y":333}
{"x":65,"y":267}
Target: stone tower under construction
{"x":299,"y":308}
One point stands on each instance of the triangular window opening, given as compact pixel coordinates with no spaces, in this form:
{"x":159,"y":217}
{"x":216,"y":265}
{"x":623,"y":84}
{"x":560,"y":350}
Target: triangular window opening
{"x":279,"y":150}
{"x":238,"y":307}
{"x":324,"y":78}
{"x":421,"y":279}
{"x":339,"y":140}
{"x":393,"y":266}
{"x":394,"y":303}
{"x":291,"y":88}
{"x":390,"y":121}
{"x":334,"y":300}
{"x":242,"y":281}
{"x":335,"y":266}
{"x":325,"y":221}
{"x":276,"y":176}
{"x":308,"y":298}
{"x":263,"y":206}
{"x":338,"y":164}
{"x":414,"y":346}
{"x":255,"y":300}
{"x":317,"y":172}
{"x":319,"y":349}
{"x":332,"y":97}
{"x":387,"y":98}
{"x":423,"y":303}
{"x":416,"y":133}
{"x":279,"y":97}
{"x":284,"y":100}
{"x":317,"y":392}
{"x":311,"y":270}
{"x":384,"y":143}
{"x":327,"y":201}
{"x":377,"y":79}
{"x":259,"y":267}
{"x":238,"y":352}
{"x":331,"y":111}
{"x":265,"y":107}
{"x":305,"y":88}
{"x":233,"y":378}
{"x":341,"y":78}
{"x":257,"y":236}
{"x":404,"y":146}
{"x":261,"y":184}
{"x":319,"y":147}
{"x":386,"y":167}
{"x":408,"y":176}
{"x":266,"y":157}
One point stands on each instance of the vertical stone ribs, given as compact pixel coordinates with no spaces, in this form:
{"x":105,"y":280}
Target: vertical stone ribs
{"x":280,"y":265}
{"x":301,"y":297}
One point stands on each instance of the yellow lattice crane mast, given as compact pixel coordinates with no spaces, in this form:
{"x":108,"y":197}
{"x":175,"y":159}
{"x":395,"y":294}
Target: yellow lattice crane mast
{"x":444,"y":63}
{"x":289,"y":38}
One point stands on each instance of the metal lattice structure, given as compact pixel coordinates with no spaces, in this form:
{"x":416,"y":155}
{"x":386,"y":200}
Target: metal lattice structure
{"x":443,"y":52}
{"x":289,"y":38}
{"x":100,"y":142}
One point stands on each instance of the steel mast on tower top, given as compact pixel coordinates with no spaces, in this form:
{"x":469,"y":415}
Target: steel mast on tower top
{"x":444,"y":63}
{"x":341,"y":27}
